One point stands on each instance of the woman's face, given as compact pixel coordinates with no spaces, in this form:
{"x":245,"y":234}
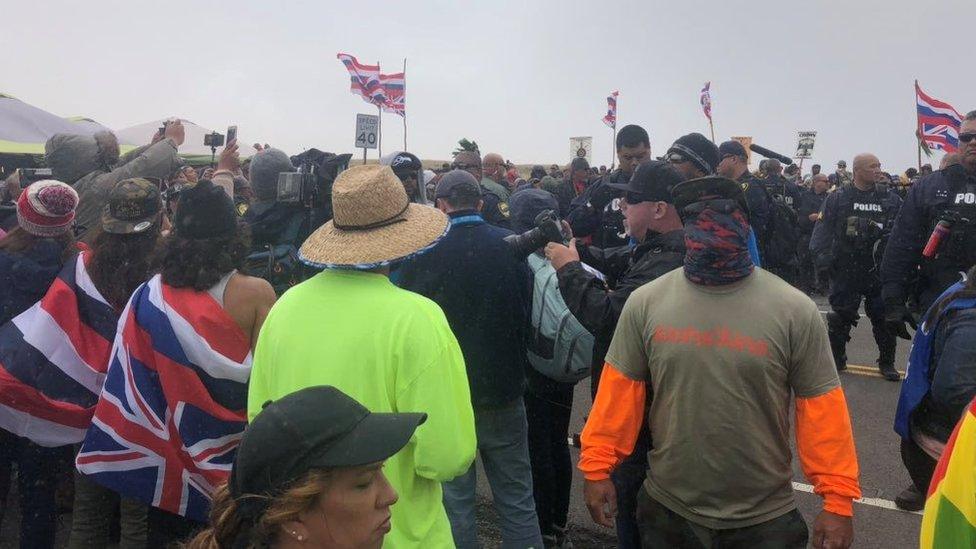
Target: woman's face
{"x":354,"y":510}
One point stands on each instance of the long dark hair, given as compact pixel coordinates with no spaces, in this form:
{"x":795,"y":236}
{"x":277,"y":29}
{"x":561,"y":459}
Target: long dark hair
{"x":200,"y":264}
{"x":967,"y":291}
{"x":18,"y":241}
{"x":121,"y":262}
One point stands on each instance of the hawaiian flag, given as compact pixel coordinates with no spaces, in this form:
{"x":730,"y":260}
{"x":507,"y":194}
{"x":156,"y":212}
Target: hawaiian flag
{"x":365,"y":79}
{"x":611,"y":118}
{"x":706,"y":100}
{"x":938,"y":122}
{"x":950,"y":509}
{"x":395,"y":92}
{"x":53,"y":358}
{"x":173,"y":407}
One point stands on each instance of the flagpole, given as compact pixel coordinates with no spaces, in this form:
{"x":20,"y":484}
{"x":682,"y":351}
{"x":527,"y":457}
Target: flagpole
{"x":711,"y":128}
{"x":404,"y":103}
{"x":379,"y":127}
{"x":613,"y":142}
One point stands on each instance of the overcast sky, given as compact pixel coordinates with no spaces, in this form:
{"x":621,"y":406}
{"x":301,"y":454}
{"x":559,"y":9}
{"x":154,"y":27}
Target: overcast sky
{"x":519,"y":77}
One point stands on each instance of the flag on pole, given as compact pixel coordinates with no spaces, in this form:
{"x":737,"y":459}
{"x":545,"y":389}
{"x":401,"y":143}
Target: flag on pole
{"x":394,"y":88}
{"x":706,"y":100}
{"x":365,"y":79}
{"x":611,"y":118}
{"x":938,"y":122}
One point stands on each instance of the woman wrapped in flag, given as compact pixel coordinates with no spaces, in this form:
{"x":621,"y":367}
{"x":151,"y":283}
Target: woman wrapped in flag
{"x":173,"y":407}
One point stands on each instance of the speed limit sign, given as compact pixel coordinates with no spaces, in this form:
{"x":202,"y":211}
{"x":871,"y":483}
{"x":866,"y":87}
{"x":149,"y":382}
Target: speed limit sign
{"x":366,"y":130}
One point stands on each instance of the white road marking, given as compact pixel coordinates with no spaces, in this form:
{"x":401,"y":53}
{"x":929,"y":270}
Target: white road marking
{"x":859,"y":315}
{"x":873,"y":502}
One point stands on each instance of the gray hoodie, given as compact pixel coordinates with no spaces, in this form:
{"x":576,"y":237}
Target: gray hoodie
{"x":78,"y":161}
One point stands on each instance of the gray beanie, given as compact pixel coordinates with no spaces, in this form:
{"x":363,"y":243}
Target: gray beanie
{"x":265,"y":167}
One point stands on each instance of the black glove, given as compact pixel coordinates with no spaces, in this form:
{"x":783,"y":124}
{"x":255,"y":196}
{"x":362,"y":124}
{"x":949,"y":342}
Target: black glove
{"x":601,"y":196}
{"x":896,"y":317}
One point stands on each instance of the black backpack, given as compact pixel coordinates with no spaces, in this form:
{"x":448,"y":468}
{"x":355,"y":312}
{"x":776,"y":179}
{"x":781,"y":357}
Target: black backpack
{"x":279,"y":264}
{"x":782,"y":232}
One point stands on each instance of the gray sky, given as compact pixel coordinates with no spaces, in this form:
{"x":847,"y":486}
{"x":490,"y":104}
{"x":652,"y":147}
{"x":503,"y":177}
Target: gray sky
{"x":519,"y":77}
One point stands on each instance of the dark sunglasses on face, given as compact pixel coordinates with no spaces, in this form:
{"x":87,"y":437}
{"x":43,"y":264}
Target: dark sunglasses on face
{"x":632,"y":198}
{"x":966,"y":137}
{"x":466,"y":167}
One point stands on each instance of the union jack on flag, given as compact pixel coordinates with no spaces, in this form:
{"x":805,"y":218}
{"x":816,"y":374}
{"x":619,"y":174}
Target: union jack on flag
{"x":938,"y":122}
{"x":365,"y":79}
{"x":611,"y":118}
{"x":395,"y":93}
{"x":706,"y":100}
{"x":53,"y":358}
{"x":173,"y":407}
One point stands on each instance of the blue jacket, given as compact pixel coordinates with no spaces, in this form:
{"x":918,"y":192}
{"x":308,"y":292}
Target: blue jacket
{"x":484,"y":290}
{"x":25,"y":278}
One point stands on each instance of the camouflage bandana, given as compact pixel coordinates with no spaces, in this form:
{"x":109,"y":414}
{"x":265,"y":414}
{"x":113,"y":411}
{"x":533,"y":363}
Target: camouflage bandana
{"x":717,"y":247}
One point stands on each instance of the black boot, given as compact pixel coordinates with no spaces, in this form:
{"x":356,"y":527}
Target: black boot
{"x":838,"y":333}
{"x":886,"y":349}
{"x":910,"y":499}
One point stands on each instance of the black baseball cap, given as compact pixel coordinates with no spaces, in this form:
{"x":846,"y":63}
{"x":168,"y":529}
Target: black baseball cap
{"x":133,"y":206}
{"x":405,"y":162}
{"x":733,"y":148}
{"x":708,"y":188}
{"x":653,"y":180}
{"x":454,"y":179}
{"x":314,"y":428}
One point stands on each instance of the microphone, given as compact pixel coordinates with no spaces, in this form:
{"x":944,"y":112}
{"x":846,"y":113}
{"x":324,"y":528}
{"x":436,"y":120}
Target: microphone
{"x":763,"y":151}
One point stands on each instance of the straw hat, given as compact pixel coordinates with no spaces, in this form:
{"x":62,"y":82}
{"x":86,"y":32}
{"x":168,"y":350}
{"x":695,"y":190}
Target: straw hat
{"x":374,"y":223}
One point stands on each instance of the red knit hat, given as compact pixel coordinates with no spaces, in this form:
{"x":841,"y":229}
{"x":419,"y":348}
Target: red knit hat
{"x":47,"y":208}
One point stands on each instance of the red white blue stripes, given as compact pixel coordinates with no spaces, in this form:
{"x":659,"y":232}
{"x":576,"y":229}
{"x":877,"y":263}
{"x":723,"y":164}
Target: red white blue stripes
{"x":938,"y":122}
{"x":611,"y":118}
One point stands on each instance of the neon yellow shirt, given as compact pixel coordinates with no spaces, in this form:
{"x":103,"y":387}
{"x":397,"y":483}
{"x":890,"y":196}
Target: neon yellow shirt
{"x":393,"y":351}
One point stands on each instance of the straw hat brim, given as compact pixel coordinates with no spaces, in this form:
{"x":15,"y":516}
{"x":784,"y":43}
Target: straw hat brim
{"x":329,"y":247}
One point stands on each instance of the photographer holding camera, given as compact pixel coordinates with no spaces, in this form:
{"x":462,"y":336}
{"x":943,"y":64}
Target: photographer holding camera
{"x":653,"y":223}
{"x":92,"y":166}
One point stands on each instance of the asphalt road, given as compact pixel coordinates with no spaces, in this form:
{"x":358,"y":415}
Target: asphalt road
{"x":872,"y":403}
{"x":871,"y":400}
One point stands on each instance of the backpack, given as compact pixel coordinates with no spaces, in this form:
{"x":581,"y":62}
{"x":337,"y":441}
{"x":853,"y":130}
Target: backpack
{"x":559,"y":347}
{"x":279,"y":265}
{"x":782,"y":233}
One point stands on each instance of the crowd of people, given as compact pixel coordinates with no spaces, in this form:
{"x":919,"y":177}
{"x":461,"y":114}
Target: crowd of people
{"x":290,"y":351}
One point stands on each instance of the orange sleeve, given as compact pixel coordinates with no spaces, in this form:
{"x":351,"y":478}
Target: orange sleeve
{"x":615,"y":420}
{"x":825,"y":443}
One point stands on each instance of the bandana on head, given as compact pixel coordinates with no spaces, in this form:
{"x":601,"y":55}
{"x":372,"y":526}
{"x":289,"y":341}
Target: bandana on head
{"x":717,"y":247}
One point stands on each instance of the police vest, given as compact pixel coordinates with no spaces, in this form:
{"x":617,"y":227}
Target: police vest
{"x":959,"y":208}
{"x":862,"y":218}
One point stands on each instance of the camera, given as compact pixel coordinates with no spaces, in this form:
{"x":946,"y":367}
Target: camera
{"x":213,"y":140}
{"x":31,"y":175}
{"x":547,"y":229}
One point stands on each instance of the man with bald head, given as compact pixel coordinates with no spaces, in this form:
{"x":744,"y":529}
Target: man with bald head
{"x":495,"y":196}
{"x":848,"y":240}
{"x":493,"y":166}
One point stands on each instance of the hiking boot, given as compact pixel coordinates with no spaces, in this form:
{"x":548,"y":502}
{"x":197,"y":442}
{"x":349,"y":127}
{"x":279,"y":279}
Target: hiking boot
{"x":910,"y":499}
{"x":889,"y":372}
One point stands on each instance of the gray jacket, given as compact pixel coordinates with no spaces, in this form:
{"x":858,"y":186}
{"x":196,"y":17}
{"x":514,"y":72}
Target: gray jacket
{"x":77,"y":161}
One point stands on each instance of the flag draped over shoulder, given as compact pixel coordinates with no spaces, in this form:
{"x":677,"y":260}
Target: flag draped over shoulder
{"x":173,"y":407}
{"x":53,"y":358}
{"x":950,"y":509}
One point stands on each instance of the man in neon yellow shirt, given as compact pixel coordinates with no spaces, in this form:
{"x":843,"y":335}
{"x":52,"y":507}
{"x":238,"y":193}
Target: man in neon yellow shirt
{"x":388,"y":348}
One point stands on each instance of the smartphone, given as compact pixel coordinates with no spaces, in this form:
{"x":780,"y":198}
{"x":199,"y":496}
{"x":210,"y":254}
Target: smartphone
{"x":231,"y":133}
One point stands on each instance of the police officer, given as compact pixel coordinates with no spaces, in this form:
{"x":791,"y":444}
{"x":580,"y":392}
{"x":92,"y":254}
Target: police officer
{"x":809,"y":277}
{"x":495,"y":209}
{"x":778,"y":186}
{"x":595,"y":214}
{"x":734,"y":165}
{"x":849,"y":238}
{"x":947,"y":199}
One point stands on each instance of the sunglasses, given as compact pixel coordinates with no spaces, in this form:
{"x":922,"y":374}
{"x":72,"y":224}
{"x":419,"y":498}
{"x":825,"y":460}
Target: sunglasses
{"x":966,"y":137}
{"x":632,"y":198}
{"x":465,"y":166}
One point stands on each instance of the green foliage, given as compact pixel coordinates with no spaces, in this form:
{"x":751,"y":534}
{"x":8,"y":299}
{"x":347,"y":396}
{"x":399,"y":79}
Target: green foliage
{"x":464,"y":145}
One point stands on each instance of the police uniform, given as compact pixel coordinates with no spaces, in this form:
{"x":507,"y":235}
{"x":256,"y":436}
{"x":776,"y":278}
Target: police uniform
{"x":808,"y":275}
{"x":590,"y":216}
{"x":782,"y":236}
{"x":759,"y":204}
{"x":850,"y":239}
{"x":946,"y":194}
{"x":495,"y":208}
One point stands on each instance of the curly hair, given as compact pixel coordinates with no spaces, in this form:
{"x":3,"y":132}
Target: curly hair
{"x":226,"y":524}
{"x":199,"y":264}
{"x":18,"y":241}
{"x":121,"y":262}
